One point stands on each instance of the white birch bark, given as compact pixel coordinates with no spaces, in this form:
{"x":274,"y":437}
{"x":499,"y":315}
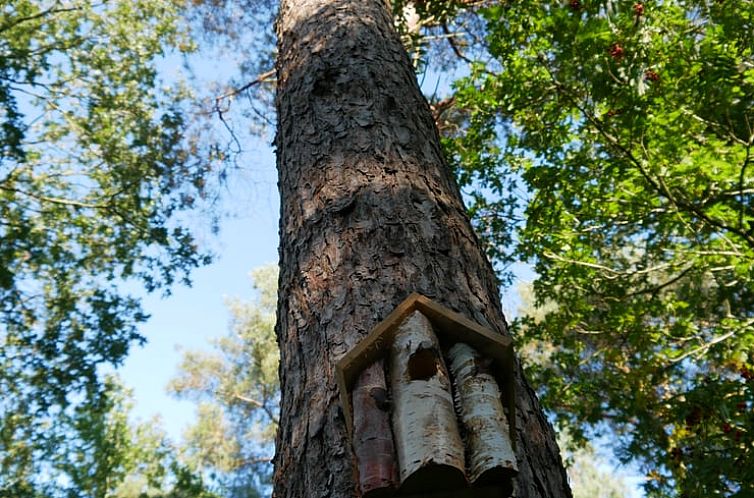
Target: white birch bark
{"x":490,"y":454}
{"x":429,"y":447}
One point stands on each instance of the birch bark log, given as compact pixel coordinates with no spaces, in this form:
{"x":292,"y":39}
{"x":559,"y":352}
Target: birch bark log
{"x":369,"y":213}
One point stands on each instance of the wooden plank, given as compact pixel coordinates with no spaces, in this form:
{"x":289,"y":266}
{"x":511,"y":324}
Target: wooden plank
{"x":457,"y":326}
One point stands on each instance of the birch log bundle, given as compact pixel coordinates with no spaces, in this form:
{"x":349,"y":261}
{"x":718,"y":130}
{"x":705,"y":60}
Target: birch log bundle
{"x":438,"y":428}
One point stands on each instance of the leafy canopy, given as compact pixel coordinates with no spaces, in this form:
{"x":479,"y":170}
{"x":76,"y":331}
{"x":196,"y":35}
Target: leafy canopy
{"x":120,"y":458}
{"x":96,"y":168}
{"x":630,"y":127}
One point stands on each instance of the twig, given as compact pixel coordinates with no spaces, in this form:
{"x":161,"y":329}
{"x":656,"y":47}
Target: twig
{"x":221,"y":113}
{"x":705,"y":347}
{"x":56,"y":200}
{"x":615,"y":273}
{"x":260,"y":79}
{"x":654,"y":290}
{"x":51,"y":10}
{"x":741,"y":179}
{"x":258,"y":404}
{"x":457,"y":51}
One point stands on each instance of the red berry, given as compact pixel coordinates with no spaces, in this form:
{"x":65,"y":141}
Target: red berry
{"x":727,"y":427}
{"x":638,"y":8}
{"x":741,"y":406}
{"x":616,"y":51}
{"x":574,"y":4}
{"x":651,"y":75}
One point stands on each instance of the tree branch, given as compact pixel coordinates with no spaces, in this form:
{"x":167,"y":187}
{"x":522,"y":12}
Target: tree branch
{"x":453,"y":46}
{"x":266,"y":76}
{"x":258,"y":404}
{"x":56,"y":200}
{"x":657,"y":288}
{"x":658,"y":184}
{"x":706,"y":346}
{"x":615,"y":273}
{"x":44,"y":13}
{"x":741,"y":179}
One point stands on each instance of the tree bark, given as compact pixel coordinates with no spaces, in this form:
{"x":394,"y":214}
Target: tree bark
{"x":370,"y":212}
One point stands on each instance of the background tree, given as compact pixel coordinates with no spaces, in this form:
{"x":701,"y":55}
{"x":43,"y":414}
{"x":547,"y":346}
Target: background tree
{"x":629,"y":126}
{"x":627,"y":122}
{"x":590,"y":475}
{"x":113,"y":456}
{"x":238,"y":393}
{"x":96,"y":170}
{"x":125,"y":459}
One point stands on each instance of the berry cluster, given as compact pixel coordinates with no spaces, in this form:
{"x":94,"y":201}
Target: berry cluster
{"x":616,"y":51}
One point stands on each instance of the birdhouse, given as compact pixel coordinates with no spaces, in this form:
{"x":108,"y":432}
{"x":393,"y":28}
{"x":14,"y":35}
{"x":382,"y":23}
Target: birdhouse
{"x":429,"y":405}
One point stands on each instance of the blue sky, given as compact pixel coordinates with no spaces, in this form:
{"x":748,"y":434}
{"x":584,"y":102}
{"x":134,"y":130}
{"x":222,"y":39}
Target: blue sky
{"x":191,"y":316}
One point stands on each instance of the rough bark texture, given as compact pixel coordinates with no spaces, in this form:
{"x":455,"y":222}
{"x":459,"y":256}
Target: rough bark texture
{"x":369,"y":213}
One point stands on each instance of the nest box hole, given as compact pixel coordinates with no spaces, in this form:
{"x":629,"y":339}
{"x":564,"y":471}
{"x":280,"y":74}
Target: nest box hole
{"x":423,"y":364}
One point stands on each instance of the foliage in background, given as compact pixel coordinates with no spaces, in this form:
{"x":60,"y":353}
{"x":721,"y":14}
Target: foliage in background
{"x":630,"y":126}
{"x":627,"y":124}
{"x":237,"y":391}
{"x":240,"y":34}
{"x":124,"y":459}
{"x":97,"y":167}
{"x":113,"y":457}
{"x":589,"y":474}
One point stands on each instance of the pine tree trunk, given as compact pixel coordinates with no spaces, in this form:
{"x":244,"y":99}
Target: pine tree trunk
{"x":370,"y":213}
